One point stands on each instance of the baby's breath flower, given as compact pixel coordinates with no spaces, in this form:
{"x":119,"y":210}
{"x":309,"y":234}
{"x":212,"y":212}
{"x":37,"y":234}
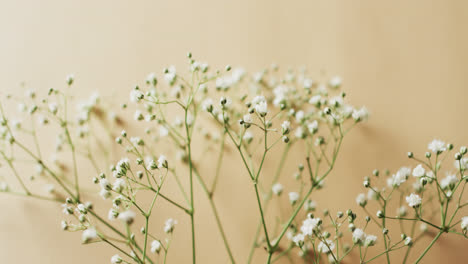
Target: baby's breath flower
{"x":408,"y":241}
{"x":88,"y":235}
{"x":127,"y":216}
{"x":169,"y":225}
{"x":413,"y":200}
{"x":293,"y":197}
{"x":310,"y":205}
{"x":113,"y":214}
{"x":437,"y":146}
{"x":262,"y":108}
{"x":361,"y":200}
{"x":162,"y":162}
{"x":277,"y":188}
{"x":116,"y":259}
{"x":358,"y":236}
{"x":310,"y":225}
{"x":326,"y":247}
{"x":370,"y":240}
{"x":155,"y":246}
{"x":207,"y":105}
{"x":136,"y":95}
{"x":419,"y":171}
{"x":449,"y":181}
{"x":298,"y":240}
{"x":464,"y":223}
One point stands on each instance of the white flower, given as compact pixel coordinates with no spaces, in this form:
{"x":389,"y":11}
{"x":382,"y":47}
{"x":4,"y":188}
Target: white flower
{"x":112,"y":214}
{"x":360,"y":114}
{"x":361,"y":199}
{"x":162,"y":161}
{"x":286,"y":127}
{"x":358,"y":236}
{"x":262,"y":108}
{"x":408,"y":241}
{"x":116,"y":259}
{"x":170,"y":75}
{"x":437,"y":146}
{"x":293,"y":197}
{"x":247,"y":118}
{"x":325,"y":248}
{"x":155,"y":246}
{"x":335,"y":82}
{"x":104,"y":194}
{"x":396,"y":180}
{"x":88,"y":235}
{"x":163,"y":131}
{"x":300,"y":116}
{"x":370,"y":240}
{"x":401,"y":211}
{"x":118,"y":185}
{"x":248,"y":137}
{"x":309,"y":225}
{"x":372,"y":195}
{"x":315,"y":100}
{"x":419,"y":171}
{"x":298,"y":239}
{"x":105,"y":185}
{"x":169,"y":225}
{"x":151,"y":78}
{"x":136,"y":95}
{"x":463,"y":162}
{"x":310,"y":205}
{"x":449,"y":180}
{"x":299,"y":132}
{"x":207,"y":105}
{"x":277,"y":188}
{"x":138,"y":115}
{"x":313,"y":126}
{"x":413,"y":200}
{"x":53,"y":108}
{"x":464,"y":223}
{"x":127,"y":216}
{"x":64,"y":225}
{"x":81,"y":208}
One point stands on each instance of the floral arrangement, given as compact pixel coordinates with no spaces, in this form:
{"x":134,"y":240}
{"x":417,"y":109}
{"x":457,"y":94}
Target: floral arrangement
{"x":257,"y":116}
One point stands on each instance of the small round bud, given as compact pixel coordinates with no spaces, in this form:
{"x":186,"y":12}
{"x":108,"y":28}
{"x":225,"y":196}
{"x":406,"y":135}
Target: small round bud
{"x":366,"y":184}
{"x":385,"y":231}
{"x":450,"y":146}
{"x":368,"y":218}
{"x":339,"y":214}
{"x":326,"y":234}
{"x":118,"y":140}
{"x":375,"y":173}
{"x":463,"y":150}
{"x":428,"y":154}
{"x":349,"y":212}
{"x":301,"y":167}
{"x":403,"y":236}
{"x":327,"y":110}
{"x":123,"y":133}
{"x":228,"y":67}
{"x":410,"y":155}
{"x":380,"y":214}
{"x":189,"y":55}
{"x":458,"y":156}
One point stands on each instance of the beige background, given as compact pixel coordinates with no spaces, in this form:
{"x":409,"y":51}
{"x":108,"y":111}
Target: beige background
{"x":407,"y":61}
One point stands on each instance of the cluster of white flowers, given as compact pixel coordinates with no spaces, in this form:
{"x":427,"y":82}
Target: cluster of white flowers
{"x":251,"y":112}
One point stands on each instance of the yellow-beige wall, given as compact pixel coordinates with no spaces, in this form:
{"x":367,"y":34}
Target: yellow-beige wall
{"x":407,"y":61}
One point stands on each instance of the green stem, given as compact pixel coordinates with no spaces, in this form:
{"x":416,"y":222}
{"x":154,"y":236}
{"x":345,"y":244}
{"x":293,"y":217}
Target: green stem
{"x":428,"y":247}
